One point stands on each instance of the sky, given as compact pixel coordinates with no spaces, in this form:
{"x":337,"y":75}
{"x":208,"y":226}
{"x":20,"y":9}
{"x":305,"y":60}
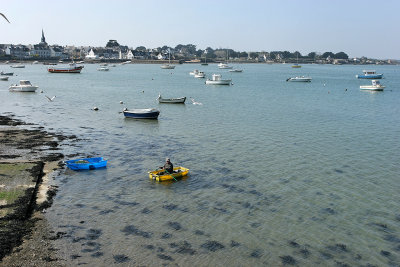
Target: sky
{"x":358,"y":28}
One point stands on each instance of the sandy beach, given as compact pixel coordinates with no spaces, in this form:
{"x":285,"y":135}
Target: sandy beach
{"x":29,"y":157}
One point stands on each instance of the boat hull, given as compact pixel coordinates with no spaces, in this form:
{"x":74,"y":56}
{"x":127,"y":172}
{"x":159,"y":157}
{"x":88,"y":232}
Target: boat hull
{"x":221,"y":82}
{"x":297,"y":79}
{"x":375,"y":76}
{"x":169,"y":67}
{"x":141,"y":114}
{"x":3,"y":78}
{"x":179,"y":172}
{"x":86,"y":163}
{"x":23,"y":88}
{"x":172,"y":100}
{"x":66,"y":70}
{"x":372,"y":88}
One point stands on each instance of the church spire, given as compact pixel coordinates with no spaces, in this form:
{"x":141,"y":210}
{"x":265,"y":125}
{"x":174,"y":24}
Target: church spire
{"x":43,"y":39}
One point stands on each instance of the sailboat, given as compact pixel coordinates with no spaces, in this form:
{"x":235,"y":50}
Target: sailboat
{"x":296,"y":65}
{"x":168,"y":66}
{"x":205,"y":59}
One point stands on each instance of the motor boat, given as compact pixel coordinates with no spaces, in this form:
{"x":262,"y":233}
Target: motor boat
{"x":375,"y":86}
{"x":224,"y":66}
{"x":24,"y":86}
{"x":103,"y":68}
{"x":194,"y":72}
{"x":179,"y":100}
{"x":369,"y":74}
{"x":217,"y":80}
{"x":299,"y":79}
{"x":200,"y":74}
{"x":73,"y":68}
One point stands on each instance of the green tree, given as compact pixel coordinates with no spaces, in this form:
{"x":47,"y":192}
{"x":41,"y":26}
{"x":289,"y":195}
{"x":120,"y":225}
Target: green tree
{"x":341,"y":55}
{"x":328,"y":54}
{"x":112,"y":43}
{"x":253,"y":55}
{"x":312,"y":55}
{"x":141,"y":49}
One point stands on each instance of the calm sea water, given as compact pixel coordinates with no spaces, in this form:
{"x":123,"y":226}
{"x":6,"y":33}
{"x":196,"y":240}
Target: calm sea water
{"x":280,"y":173}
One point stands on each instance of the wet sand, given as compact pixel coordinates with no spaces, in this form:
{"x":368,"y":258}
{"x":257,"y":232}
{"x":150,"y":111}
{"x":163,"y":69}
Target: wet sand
{"x":28,"y":157}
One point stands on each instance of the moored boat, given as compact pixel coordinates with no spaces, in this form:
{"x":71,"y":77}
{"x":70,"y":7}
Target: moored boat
{"x":299,"y":79}
{"x":86,"y":163}
{"x":3,"y":78}
{"x":224,"y":66}
{"x":103,"y":68}
{"x":200,"y":74}
{"x":7,"y":73}
{"x":147,"y":113}
{"x":179,"y":100}
{"x":72,"y":68}
{"x":23,"y":86}
{"x":217,"y":80}
{"x":194,"y":72}
{"x":296,"y":65}
{"x":375,"y":86}
{"x":18,"y":66}
{"x":369,"y":74}
{"x":236,"y":70}
{"x":161,"y":175}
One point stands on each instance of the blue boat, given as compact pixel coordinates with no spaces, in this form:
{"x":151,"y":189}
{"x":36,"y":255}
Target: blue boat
{"x":86,"y":164}
{"x":370,"y":74}
{"x":148,"y":113}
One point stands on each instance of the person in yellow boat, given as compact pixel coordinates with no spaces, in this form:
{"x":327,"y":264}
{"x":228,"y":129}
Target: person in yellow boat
{"x":168,"y":166}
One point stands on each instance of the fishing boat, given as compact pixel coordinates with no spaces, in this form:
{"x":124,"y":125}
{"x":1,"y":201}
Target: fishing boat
{"x":299,"y":79}
{"x":200,"y":74}
{"x":7,"y":73}
{"x":18,"y":66}
{"x":375,"y":86}
{"x":23,"y":86}
{"x":161,"y":175}
{"x":72,"y":68}
{"x":3,"y":78}
{"x":86,"y":163}
{"x":168,"y":66}
{"x":147,"y":113}
{"x":369,"y":74}
{"x":217,"y":80}
{"x":180,"y":100}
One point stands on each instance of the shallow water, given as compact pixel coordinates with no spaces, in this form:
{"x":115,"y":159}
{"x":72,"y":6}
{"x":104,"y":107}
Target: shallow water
{"x":280,"y":173}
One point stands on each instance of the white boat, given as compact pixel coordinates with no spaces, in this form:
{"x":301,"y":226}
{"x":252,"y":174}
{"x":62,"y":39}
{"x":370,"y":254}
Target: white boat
{"x":18,"y":66}
{"x":3,"y":78}
{"x":194,"y":72}
{"x":168,"y":66}
{"x":24,"y":86}
{"x":224,"y":66}
{"x":299,"y":79}
{"x":35,"y":62}
{"x":376,"y":86}
{"x":217,"y":80}
{"x":200,"y":74}
{"x":103,"y":68}
{"x":103,"y":64}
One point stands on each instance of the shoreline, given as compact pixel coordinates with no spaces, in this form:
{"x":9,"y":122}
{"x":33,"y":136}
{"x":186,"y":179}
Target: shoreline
{"x":29,"y":159}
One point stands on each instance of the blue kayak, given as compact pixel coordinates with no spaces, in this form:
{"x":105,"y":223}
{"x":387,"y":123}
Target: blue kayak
{"x":86,"y":164}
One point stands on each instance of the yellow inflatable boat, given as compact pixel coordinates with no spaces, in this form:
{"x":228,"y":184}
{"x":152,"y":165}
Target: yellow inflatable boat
{"x":161,"y":175}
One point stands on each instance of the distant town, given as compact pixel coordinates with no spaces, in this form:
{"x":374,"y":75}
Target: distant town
{"x":113,"y":51}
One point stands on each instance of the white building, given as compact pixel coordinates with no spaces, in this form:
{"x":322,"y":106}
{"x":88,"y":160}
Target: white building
{"x":91,"y":55}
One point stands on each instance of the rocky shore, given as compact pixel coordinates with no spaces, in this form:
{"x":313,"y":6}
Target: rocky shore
{"x":28,"y":154}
